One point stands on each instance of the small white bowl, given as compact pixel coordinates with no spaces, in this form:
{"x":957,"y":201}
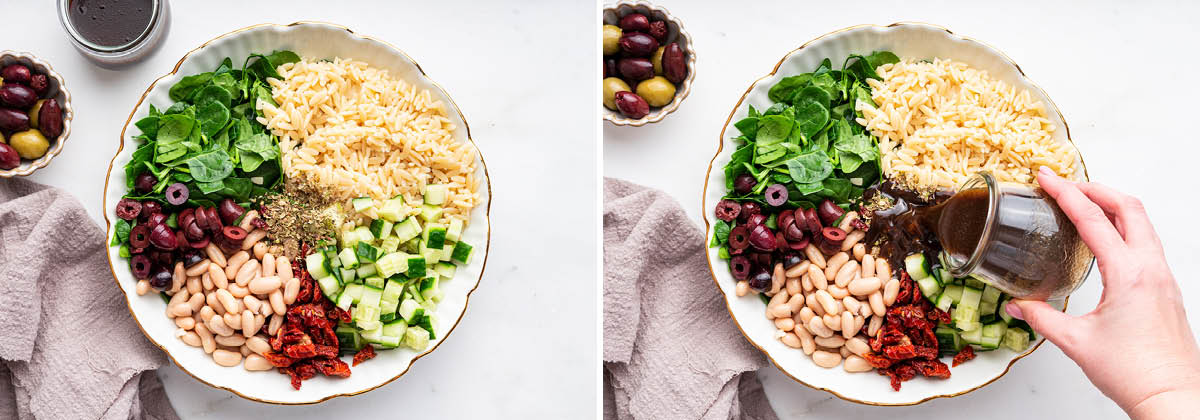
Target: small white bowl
{"x":308,"y":39}
{"x":906,"y":40}
{"x":675,"y":33}
{"x":58,"y":91}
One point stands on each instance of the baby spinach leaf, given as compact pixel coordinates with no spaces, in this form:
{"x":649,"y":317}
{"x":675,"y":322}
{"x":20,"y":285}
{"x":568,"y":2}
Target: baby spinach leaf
{"x":788,"y":86}
{"x":720,"y":233}
{"x":213,"y":93}
{"x":188,"y":85}
{"x":279,"y":58}
{"x":121,"y":232}
{"x":148,"y":125}
{"x":809,"y":167}
{"x":773,"y":129}
{"x":210,"y":166}
{"x":747,"y":126}
{"x":212,"y":117}
{"x":879,"y":58}
{"x":812,"y":110}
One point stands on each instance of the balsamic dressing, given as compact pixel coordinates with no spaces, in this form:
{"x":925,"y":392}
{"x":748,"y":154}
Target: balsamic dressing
{"x":111,"y":23}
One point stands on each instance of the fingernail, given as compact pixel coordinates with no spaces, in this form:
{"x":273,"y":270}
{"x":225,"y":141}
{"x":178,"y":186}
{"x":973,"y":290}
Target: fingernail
{"x":1046,"y":171}
{"x":1013,"y":309}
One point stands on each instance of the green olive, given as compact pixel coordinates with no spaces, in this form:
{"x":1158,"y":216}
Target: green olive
{"x":656,"y":59}
{"x":612,"y":34}
{"x":612,"y":85}
{"x":37,"y":108}
{"x":30,"y":144}
{"x":657,"y":91}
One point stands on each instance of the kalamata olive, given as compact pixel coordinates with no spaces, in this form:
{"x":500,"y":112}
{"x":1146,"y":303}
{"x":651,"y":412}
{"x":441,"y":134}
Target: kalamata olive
{"x":658,"y":30}
{"x":814,"y":223}
{"x":761,"y":238}
{"x":634,"y":22}
{"x":162,"y":237}
{"x":793,"y":233}
{"x":22,"y":97}
{"x":154,"y":219}
{"x":193,"y":231}
{"x":739,"y":237}
{"x":612,"y":85}
{"x":740,"y":267}
{"x":150,"y":207}
{"x":12,"y":120}
{"x":749,"y":208}
{"x":177,"y":193}
{"x":201,"y":218}
{"x":192,"y":258}
{"x":792,"y":260}
{"x":198,"y":244}
{"x":728,"y":210}
{"x":636,"y":69}
{"x":233,"y":233}
{"x":673,"y":65}
{"x":610,"y":68}
{"x":185,"y":217}
{"x":761,"y":280}
{"x":181,"y":240}
{"x":9,"y":158}
{"x":785,"y":218}
{"x":755,"y":220}
{"x":657,"y":91}
{"x":139,"y":236}
{"x":831,"y":239}
{"x":829,"y":212}
{"x":50,"y":119}
{"x":776,"y":194}
{"x":259,"y":222}
{"x":40,"y":84}
{"x":128,"y":209}
{"x":799,"y":245}
{"x":16,"y":73}
{"x":214,"y":219}
{"x":30,"y":144}
{"x":611,"y":37}
{"x":140,"y":264}
{"x":744,"y":183}
{"x":780,"y":241}
{"x":635,"y":44}
{"x":161,"y":279}
{"x":144,"y":182}
{"x":135,"y":250}
{"x":631,"y":105}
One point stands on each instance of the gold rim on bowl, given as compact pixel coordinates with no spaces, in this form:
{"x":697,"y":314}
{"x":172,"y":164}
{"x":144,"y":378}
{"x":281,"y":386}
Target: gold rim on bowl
{"x":721,"y":144}
{"x":683,"y":89}
{"x":29,"y":167}
{"x":487,"y":211}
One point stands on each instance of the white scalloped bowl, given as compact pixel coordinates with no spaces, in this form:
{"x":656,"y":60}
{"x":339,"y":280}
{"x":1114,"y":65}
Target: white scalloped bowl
{"x":907,"y":40}
{"x":309,"y":40}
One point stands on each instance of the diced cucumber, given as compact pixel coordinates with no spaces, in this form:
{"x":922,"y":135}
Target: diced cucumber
{"x":989,"y":299}
{"x":429,"y":289}
{"x":386,"y":317}
{"x":992,"y":334}
{"x":416,"y":338}
{"x":350,"y":238}
{"x":974,"y":336}
{"x":391,"y":210}
{"x":363,"y":234}
{"x":945,"y":301}
{"x":987,"y":319}
{"x":316,"y":265}
{"x":373,"y":334}
{"x":390,"y":244}
{"x":395,"y":329}
{"x":348,"y":259}
{"x":366,"y":270}
{"x":330,"y":252}
{"x":446,"y":252}
{"x":346,"y":299}
{"x":430,"y":213}
{"x":388,"y":342}
{"x":435,"y":236}
{"x":1003,"y":313}
{"x":929,"y":287}
{"x":374,"y":281}
{"x":390,"y":300}
{"x":366,"y":253}
{"x":407,"y":309}
{"x":1016,"y":339}
{"x":381,"y":228}
{"x":354,"y":291}
{"x":391,"y":264}
{"x":366,"y":317}
{"x":917,"y":266}
{"x":970,"y":298}
{"x":446,"y":270}
{"x":435,"y":194}
{"x":965,"y":318}
{"x":976,"y":282}
{"x":345,"y":335}
{"x":462,"y":253}
{"x":361,"y":204}
{"x":432,"y":255}
{"x":954,"y":291}
{"x":346,"y":275}
{"x":329,"y":286}
{"x":454,"y":232}
{"x":944,"y":276}
{"x":370,"y":296}
{"x":408,"y":229}
{"x":416,"y":266}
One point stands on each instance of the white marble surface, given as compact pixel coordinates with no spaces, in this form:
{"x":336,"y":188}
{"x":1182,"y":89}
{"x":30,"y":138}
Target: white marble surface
{"x":1114,"y":68}
{"x":522,"y":74}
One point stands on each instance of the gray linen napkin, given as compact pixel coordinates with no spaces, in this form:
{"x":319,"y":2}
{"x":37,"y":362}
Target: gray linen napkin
{"x":68,"y":346}
{"x":671,"y":350}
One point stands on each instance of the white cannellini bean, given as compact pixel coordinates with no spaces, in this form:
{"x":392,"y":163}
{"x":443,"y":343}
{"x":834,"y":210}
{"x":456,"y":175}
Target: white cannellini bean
{"x":275,"y":324}
{"x":826,"y":359}
{"x":860,"y":251}
{"x":780,"y":310}
{"x":864,"y":308}
{"x":883,"y":270}
{"x":247,"y":219}
{"x":875,"y":325}
{"x":252,"y":239}
{"x":247,"y":273}
{"x":806,"y":339}
{"x":777,"y":278}
{"x":252,"y":303}
{"x":817,"y":326}
{"x":259,"y":345}
{"x":193,"y":285}
{"x":848,"y":329}
{"x":806,"y":284}
{"x":215,"y":254}
{"x":785,"y":324}
{"x":217,"y":325}
{"x":777,"y":299}
{"x":855,"y":363}
{"x":858,"y":323}
{"x":834,"y":322}
{"x":231,"y":341}
{"x":143,"y":286}
{"x":791,"y":340}
{"x":814,"y":255}
{"x":218,"y":277}
{"x":852,"y":239}
{"x":180,"y":296}
{"x":743,"y":288}
{"x":206,"y":281}
{"x":196,"y":302}
{"x":233,"y":320}
{"x":795,"y":303}
{"x":227,"y":300}
{"x":837,"y":292}
{"x":191,"y":339}
{"x":835,"y":263}
{"x":868,"y":266}
{"x":197,"y":269}
{"x":844,"y":352}
{"x":259,"y":320}
{"x":255,"y":363}
{"x":817,"y":277}
{"x":227,"y":358}
{"x":797,"y":269}
{"x":235,"y":263}
{"x":277,"y":305}
{"x":186,"y":323}
{"x":238,"y":291}
{"x":865,"y":286}
{"x":847,"y":221}
{"x":805,"y":314}
{"x":826,"y":301}
{"x":793,"y":286}
{"x":205,"y":313}
{"x":248,"y":329}
{"x":877,"y":305}
{"x":831,"y":342}
{"x":268,"y":265}
{"x":178,"y":276}
{"x":858,"y":346}
{"x":264,"y":285}
{"x":259,"y":249}
{"x":206,"y":338}
{"x":265,"y":308}
{"x":846,"y":274}
{"x":890,"y":291}
{"x":851,"y":304}
{"x":283,"y":268}
{"x":246,"y":351}
{"x":810,"y":300}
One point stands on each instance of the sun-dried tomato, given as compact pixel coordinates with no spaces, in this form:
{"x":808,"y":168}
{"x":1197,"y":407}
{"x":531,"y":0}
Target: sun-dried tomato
{"x":927,"y":353}
{"x":967,"y":353}
{"x":364,"y":354}
{"x":332,"y":366}
{"x":931,"y":368}
{"x":896,"y":352}
{"x":278,"y":360}
{"x":877,"y":361}
{"x":300,"y":350}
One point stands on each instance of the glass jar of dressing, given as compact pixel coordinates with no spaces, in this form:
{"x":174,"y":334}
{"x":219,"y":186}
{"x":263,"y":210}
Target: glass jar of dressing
{"x":114,"y":32}
{"x":1013,"y":236}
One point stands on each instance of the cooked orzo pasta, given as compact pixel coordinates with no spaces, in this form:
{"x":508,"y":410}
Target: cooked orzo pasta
{"x":361,"y":132}
{"x":940,"y":122}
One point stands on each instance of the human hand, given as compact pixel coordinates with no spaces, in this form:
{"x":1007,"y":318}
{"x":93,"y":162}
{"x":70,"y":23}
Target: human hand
{"x":1136,"y":346}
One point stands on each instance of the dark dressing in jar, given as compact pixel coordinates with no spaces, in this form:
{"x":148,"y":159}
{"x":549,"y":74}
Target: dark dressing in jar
{"x":111,"y":23}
